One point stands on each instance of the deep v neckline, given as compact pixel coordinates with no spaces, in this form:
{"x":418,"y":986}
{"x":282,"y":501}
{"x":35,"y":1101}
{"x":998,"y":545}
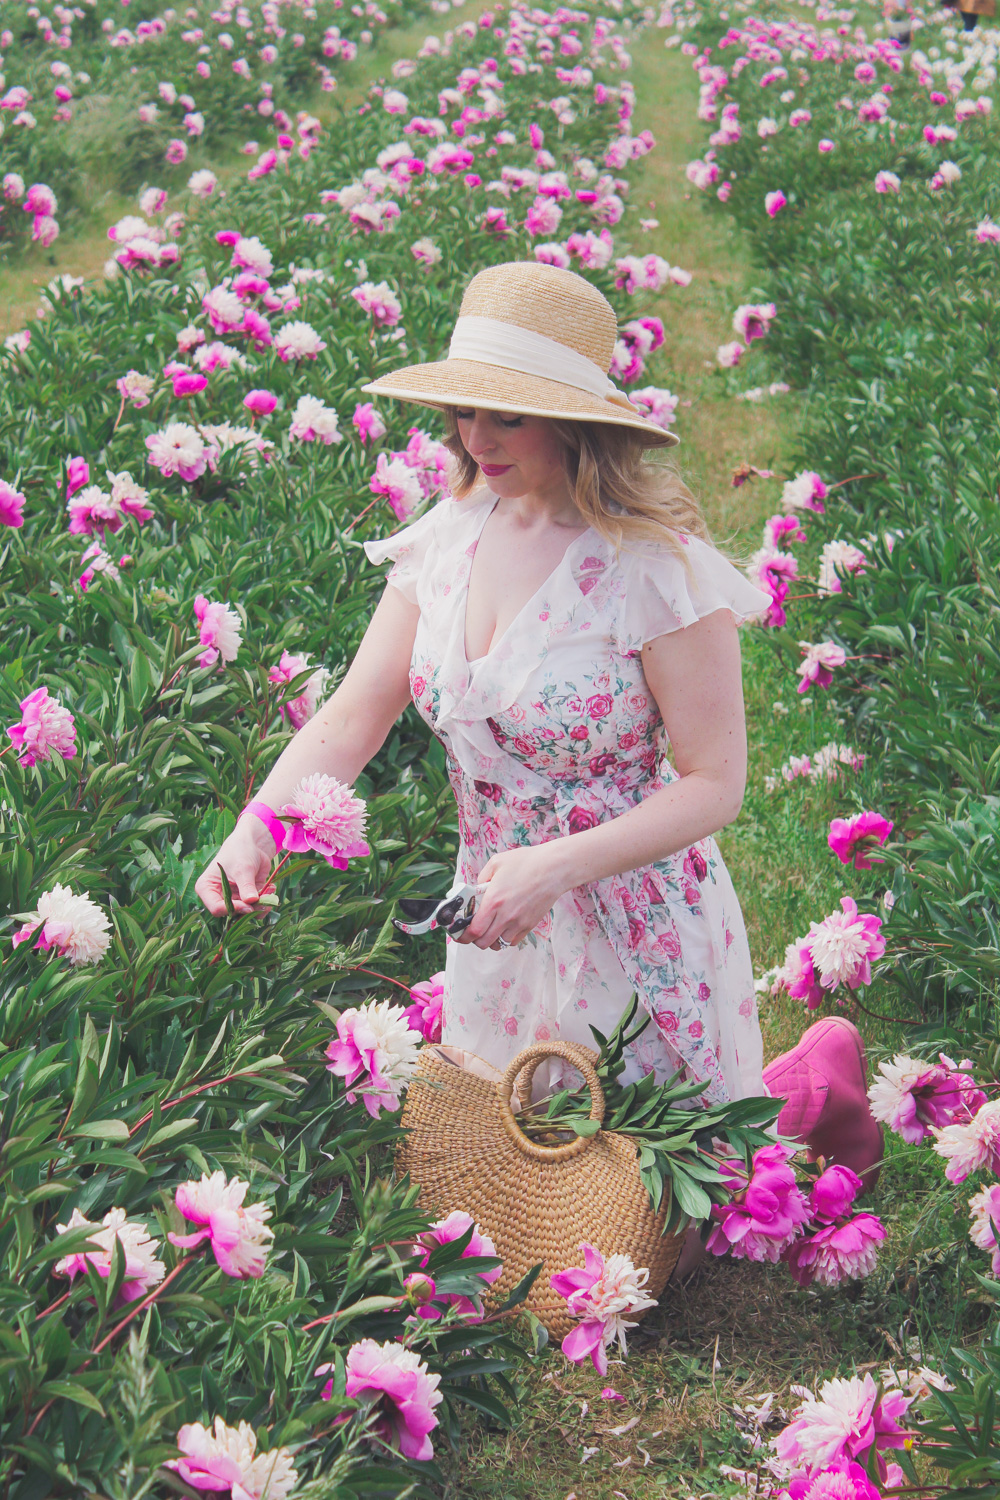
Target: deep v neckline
{"x":546,"y":582}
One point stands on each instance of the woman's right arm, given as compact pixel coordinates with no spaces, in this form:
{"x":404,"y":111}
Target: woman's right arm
{"x":339,"y":741}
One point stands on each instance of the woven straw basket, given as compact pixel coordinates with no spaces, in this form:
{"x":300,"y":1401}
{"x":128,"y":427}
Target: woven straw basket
{"x":537,"y":1203}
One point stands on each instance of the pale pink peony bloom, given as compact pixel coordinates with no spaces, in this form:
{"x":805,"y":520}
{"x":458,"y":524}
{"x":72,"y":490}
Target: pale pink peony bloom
{"x":297,"y":340}
{"x":914,"y":1097}
{"x":985,"y":1207}
{"x":45,"y":729}
{"x":425,"y":252}
{"x":729,"y":355}
{"x":836,"y":1252}
{"x":11,"y":505}
{"x":77,"y":475}
{"x":254,"y":256}
{"x":375,"y":1053}
{"x":445,"y":1232}
{"x":93,"y":511}
{"x":40,"y":199}
{"x":225,"y":310}
{"x":153,"y":201}
{"x":226,"y":1458}
{"x":313,"y":421}
{"x":130,"y":497}
{"x":766,"y":1211}
{"x":986,"y":232}
{"x":179,"y":449}
{"x":97,"y":561}
{"x":825,"y":146}
{"x":774,"y":203}
{"x":45,"y":230}
{"x":843,"y":1422}
{"x":853,"y":839}
{"x":779,"y":530}
{"x":601,"y":1293}
{"x":657,"y":405}
{"x":189,"y":338}
{"x":74,"y":926}
{"x":261,"y":403}
{"x":202,"y":184}
{"x":379,"y":299}
{"x":752,"y":320}
{"x":142,"y":1269}
{"x":327,"y":818}
{"x":13,"y":187}
{"x":368,"y":422}
{"x":820,"y":660}
{"x":424,"y":1013}
{"x":220,"y":633}
{"x":397,"y":1382}
{"x":176,"y":152}
{"x":972,"y":1147}
{"x":805,"y":492}
{"x":399,"y":483}
{"x":843,"y":945}
{"x":135,"y":387}
{"x":887,"y":182}
{"x":301,"y":709}
{"x":838,"y":557}
{"x":239,"y":1236}
{"x":194,"y":122}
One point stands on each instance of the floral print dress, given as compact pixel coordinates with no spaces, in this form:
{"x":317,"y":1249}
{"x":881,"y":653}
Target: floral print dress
{"x":553,"y":731}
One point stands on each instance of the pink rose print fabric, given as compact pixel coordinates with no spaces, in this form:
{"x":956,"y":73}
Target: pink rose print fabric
{"x":551,"y":732}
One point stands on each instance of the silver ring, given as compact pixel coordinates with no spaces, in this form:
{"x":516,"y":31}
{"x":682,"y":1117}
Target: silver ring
{"x":504,"y":943}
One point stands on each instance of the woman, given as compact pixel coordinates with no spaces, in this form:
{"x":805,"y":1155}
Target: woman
{"x":558,"y":623}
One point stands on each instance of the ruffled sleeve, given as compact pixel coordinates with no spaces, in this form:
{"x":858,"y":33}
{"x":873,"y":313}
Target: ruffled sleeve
{"x":409,"y":550}
{"x":662,"y":595}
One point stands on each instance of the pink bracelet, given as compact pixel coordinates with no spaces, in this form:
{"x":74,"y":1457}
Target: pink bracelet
{"x":270,"y":820}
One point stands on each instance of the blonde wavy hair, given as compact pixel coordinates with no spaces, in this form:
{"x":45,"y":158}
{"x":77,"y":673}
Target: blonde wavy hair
{"x":617,"y":489}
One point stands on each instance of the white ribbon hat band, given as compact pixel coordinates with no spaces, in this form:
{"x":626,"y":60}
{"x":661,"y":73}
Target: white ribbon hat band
{"x":488,"y":341}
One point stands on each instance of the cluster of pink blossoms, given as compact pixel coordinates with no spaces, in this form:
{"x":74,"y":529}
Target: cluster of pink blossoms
{"x":423,"y":1014}
{"x":412,"y":477}
{"x":45,"y":729}
{"x":837,"y":951}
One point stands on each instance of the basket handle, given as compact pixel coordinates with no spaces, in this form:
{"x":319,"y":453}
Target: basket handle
{"x":530,"y":1058}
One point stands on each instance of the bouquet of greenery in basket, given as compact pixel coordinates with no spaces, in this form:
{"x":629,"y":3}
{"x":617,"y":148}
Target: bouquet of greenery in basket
{"x":678,"y":1141}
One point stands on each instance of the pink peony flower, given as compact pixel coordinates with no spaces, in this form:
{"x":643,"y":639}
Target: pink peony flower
{"x":77,"y":475}
{"x":444,"y":1232}
{"x":779,"y":530}
{"x":220,"y":633}
{"x":396,"y":1382}
{"x":986,"y":232}
{"x":843,"y":945}
{"x":805,"y":492}
{"x":375,"y":1053}
{"x":833,"y":1192}
{"x":238,"y":1235}
{"x":399,"y":483}
{"x":313,"y":421}
{"x":368,"y":422}
{"x":179,"y":449}
{"x":129,"y":497}
{"x":766,"y":1212}
{"x":250,"y":253}
{"x":853,"y":839}
{"x":774,"y":203}
{"x":93,"y":510}
{"x":836,"y":1252}
{"x":820,"y":660}
{"x":797,"y":977}
{"x":972,"y":1147}
{"x":985,"y":1207}
{"x":752,"y":320}
{"x":301,"y":709}
{"x":188,"y":383}
{"x":45,"y":729}
{"x":11,"y":506}
{"x":886,"y":182}
{"x":261,"y":403}
{"x":176,"y":152}
{"x":74,"y":926}
{"x":847,"y":1482}
{"x":729,"y":355}
{"x":601,"y":1293}
{"x":135,"y":387}
{"x":424,"y":1014}
{"x":327,"y":818}
{"x":297,"y":340}
{"x":226,"y":1458}
{"x":844,"y":1422}
{"x":380,"y":301}
{"x":142,"y":1269}
{"x":914,"y":1098}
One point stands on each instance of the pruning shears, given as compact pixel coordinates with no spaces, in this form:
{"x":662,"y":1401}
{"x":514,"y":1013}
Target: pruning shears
{"x":453,"y":912}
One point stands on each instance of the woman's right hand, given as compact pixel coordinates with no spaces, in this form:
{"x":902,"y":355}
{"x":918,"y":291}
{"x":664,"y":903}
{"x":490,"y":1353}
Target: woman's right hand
{"x":246,"y":857}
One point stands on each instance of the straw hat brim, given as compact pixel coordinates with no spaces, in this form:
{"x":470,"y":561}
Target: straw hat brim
{"x":467,"y":382}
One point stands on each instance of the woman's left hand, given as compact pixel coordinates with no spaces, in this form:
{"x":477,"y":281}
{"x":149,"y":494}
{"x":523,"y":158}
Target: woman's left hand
{"x":523,"y":886}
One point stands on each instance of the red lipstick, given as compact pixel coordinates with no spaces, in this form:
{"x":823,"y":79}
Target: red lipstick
{"x":492,"y":471}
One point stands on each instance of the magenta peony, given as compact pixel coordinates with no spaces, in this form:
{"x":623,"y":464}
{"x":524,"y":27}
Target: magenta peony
{"x":46,"y":729}
{"x":843,"y":1423}
{"x":853,"y":839}
{"x":914,"y":1097}
{"x":301,"y":709}
{"x":261,"y":403}
{"x":226,"y":1458}
{"x":327,"y":818}
{"x":368,"y":422}
{"x":601,"y":1293}
{"x":797,"y":977}
{"x":220,"y":632}
{"x":238,"y":1235}
{"x":752,"y":320}
{"x":444,"y":1232}
{"x":820,"y":660}
{"x":424,"y":1014}
{"x":399,"y":1384}
{"x":77,"y":475}
{"x":766,"y":1211}
{"x":836,"y":1252}
{"x":142,"y":1269}
{"x":985,"y":1208}
{"x":833,"y":1192}
{"x":375,"y":1053}
{"x":774,"y":203}
{"x":847,"y":1482}
{"x":11,"y":505}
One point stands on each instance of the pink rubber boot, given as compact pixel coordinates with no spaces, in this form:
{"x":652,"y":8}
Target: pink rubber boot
{"x":824,"y":1080}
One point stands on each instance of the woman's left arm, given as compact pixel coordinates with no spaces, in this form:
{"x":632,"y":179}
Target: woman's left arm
{"x":694,"y":675}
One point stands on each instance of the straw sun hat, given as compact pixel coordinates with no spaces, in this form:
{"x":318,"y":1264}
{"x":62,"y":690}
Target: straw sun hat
{"x":532,"y":339}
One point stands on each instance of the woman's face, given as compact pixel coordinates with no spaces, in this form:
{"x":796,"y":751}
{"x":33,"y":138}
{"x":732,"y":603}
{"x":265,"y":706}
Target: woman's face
{"x":517,"y":455}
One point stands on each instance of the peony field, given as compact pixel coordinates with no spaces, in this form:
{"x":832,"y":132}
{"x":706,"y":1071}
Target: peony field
{"x":216,"y":226}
